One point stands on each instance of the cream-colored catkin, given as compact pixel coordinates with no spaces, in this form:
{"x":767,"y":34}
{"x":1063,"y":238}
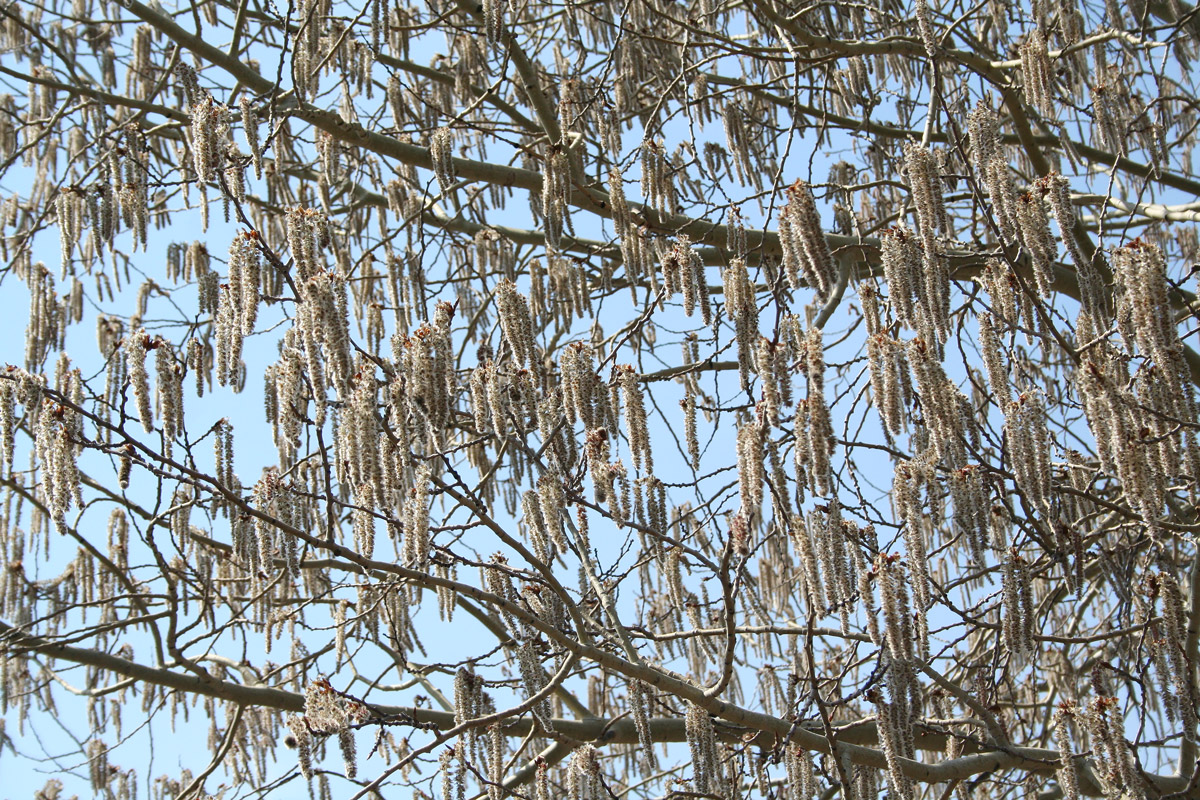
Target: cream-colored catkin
{"x":1029,"y":447}
{"x":1058,"y":191}
{"x":1034,"y":223}
{"x":971,"y":509}
{"x":70,"y":205}
{"x":742,"y":307}
{"x":636,"y":423}
{"x":902,"y":261}
{"x":690,"y":431}
{"x":658,"y":177}
{"x":1017,"y":613}
{"x":751,"y":465}
{"x":821,"y":437}
{"x":584,"y":780}
{"x":1175,"y":624}
{"x":991,"y":167}
{"x":136,"y":346}
{"x":807,"y":259}
{"x":1140,"y":270}
{"x":441,"y":153}
{"x":933,"y":282}
{"x":169,"y":390}
{"x":416,"y":521}
{"x":552,"y":499}
{"x":994,"y":360}
{"x":8,"y":426}
{"x":925,"y":28}
{"x":1037,"y":73}
{"x":702,"y":740}
{"x":556,"y":194}
{"x":515,"y":321}
{"x":250,"y":128}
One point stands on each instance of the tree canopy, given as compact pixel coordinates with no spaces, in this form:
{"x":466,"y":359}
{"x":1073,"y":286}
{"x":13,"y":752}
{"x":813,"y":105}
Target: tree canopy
{"x":649,"y":399}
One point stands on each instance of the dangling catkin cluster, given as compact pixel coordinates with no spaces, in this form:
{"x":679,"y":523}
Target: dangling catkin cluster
{"x":1068,"y":775}
{"x":806,"y":256}
{"x":1037,"y":73}
{"x":135,"y":346}
{"x":636,"y":253}
{"x":814,"y":428}
{"x":968,"y":490}
{"x":583,"y":775}
{"x":897,"y":715}
{"x":991,"y":166}
{"x":1034,"y":224}
{"x":425,"y":381}
{"x":1114,"y":762}
{"x":683,"y":271}
{"x":635,"y":418}
{"x":306,"y":227}
{"x":994,"y":359}
{"x":1144,"y":311}
{"x":742,"y":308}
{"x":925,"y":28}
{"x":583,"y":396}
{"x":1115,"y":420}
{"x":441,"y":152}
{"x":918,"y":284}
{"x":1174,"y":634}
{"x":1029,"y":447}
{"x":920,"y":167}
{"x":1018,"y":615}
{"x":556,"y":193}
{"x":947,"y":412}
{"x":416,"y":520}
{"x":910,"y":478}
{"x":56,"y":451}
{"x":706,"y":758}
{"x":515,"y":321}
{"x":70,"y":205}
{"x":209,"y":128}
{"x":640,"y":696}
{"x":250,"y":128}
{"x":658,"y":179}
{"x":168,"y":391}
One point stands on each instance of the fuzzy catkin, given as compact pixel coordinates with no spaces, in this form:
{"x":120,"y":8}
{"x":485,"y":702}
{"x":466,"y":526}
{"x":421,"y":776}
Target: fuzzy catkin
{"x":515,"y":321}
{"x":1034,"y":224}
{"x":807,"y":259}
{"x":702,"y":740}
{"x":742,"y":307}
{"x":556,"y":194}
{"x":1038,"y":73}
{"x":821,"y":438}
{"x":136,"y":346}
{"x":635,"y":418}
{"x":441,"y":152}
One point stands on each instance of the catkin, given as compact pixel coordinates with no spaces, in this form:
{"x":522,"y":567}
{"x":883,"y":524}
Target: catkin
{"x":821,"y":439}
{"x":135,"y":346}
{"x":635,"y":418}
{"x":556,"y":194}
{"x":742,"y":307}
{"x":1034,"y":223}
{"x":441,"y":152}
{"x":1038,"y":73}
{"x":806,"y":255}
{"x":658,"y":182}
{"x":702,"y":740}
{"x":515,"y":321}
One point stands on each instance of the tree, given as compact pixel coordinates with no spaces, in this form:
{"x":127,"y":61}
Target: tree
{"x":825,"y":421}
